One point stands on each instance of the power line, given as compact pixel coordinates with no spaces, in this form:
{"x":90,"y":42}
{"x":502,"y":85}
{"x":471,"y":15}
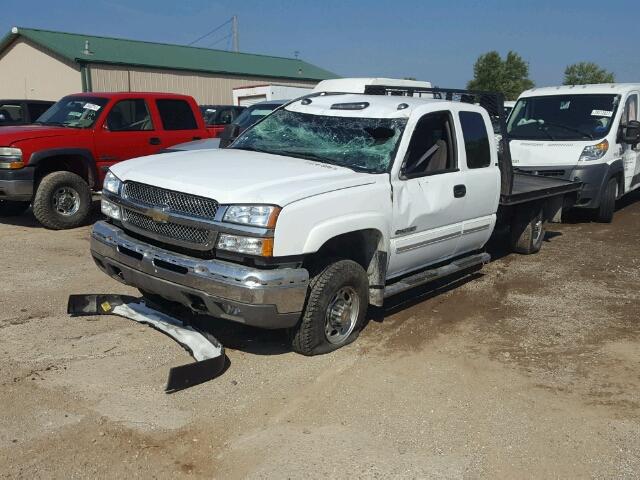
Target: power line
{"x":212,"y":31}
{"x":219,"y":40}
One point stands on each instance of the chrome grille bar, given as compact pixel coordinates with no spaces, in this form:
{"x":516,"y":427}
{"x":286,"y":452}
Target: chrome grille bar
{"x":178,"y":202}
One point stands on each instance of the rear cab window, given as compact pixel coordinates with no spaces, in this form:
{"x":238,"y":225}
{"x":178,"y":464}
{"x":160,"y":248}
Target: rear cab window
{"x":176,"y":114}
{"x":476,"y":140}
{"x":37,"y":109}
{"x":129,"y":116}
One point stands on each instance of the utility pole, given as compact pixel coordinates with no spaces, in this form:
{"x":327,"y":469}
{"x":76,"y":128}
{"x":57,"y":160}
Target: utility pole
{"x":234,"y":33}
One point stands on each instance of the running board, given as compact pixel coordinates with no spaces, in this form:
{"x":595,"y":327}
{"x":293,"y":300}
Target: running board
{"x":427,"y":276}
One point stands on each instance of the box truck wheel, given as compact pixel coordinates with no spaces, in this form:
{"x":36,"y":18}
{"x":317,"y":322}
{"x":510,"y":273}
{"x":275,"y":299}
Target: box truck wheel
{"x":335,"y":311}
{"x":527,"y":231}
{"x":62,"y":200}
{"x":9,"y":208}
{"x":604,"y":213}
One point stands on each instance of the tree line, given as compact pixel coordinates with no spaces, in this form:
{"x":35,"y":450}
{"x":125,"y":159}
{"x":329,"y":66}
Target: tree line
{"x":511,"y":74}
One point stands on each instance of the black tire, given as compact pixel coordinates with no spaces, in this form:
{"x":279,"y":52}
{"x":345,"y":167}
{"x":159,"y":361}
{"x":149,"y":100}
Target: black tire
{"x":9,"y":208}
{"x":604,"y":213}
{"x":56,"y":192}
{"x":335,"y":283}
{"x":527,"y":231}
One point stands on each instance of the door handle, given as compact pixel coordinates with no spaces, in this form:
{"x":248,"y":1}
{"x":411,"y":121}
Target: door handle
{"x":459,"y":191}
{"x":154,"y":141}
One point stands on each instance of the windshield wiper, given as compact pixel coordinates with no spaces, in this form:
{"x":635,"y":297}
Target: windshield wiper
{"x":544,"y":129}
{"x":571,"y":129}
{"x":57,"y":124}
{"x":319,"y":159}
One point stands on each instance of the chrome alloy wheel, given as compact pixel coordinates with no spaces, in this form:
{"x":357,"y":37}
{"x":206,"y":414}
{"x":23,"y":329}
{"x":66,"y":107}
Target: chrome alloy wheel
{"x":342,"y":315}
{"x":66,"y":201}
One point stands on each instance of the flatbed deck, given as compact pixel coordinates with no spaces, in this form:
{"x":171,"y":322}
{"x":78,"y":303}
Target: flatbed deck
{"x":527,"y":187}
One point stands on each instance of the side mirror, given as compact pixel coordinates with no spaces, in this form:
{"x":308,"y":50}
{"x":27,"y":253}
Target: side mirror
{"x":631,"y":132}
{"x":229,"y":134}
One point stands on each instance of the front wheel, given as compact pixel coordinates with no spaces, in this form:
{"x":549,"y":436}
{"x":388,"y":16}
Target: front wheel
{"x":336,"y":309}
{"x":604,"y":213}
{"x":9,"y":208}
{"x":63,"y":200}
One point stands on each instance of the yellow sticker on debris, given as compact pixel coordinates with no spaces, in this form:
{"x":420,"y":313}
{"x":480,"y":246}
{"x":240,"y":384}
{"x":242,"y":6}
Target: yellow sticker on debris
{"x":106,"y":306}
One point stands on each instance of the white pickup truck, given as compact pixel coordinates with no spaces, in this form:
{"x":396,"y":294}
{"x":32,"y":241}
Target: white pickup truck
{"x":331,"y":203}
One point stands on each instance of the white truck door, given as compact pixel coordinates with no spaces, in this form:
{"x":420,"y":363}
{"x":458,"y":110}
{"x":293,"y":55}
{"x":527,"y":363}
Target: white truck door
{"x":630,"y":154}
{"x":481,"y":179}
{"x":428,"y":197}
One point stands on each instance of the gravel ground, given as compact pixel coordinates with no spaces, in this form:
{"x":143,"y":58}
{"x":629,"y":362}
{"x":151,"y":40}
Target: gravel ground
{"x":527,"y":369}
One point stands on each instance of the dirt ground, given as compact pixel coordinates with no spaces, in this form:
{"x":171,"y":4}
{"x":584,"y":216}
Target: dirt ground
{"x":528,"y":369}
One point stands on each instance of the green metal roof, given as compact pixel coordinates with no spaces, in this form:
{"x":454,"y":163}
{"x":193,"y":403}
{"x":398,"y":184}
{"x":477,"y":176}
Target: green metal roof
{"x":119,"y":51}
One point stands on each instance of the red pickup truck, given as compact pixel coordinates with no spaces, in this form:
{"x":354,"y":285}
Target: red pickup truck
{"x":56,"y":163}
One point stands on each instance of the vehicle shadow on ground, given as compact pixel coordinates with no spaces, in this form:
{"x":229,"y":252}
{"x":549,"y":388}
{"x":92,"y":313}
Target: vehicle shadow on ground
{"x":29,"y":221}
{"x":257,"y":341}
{"x":418,"y":295}
{"x":499,"y":245}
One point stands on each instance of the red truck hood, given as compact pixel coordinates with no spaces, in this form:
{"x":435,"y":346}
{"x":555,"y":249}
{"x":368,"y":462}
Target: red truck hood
{"x":11,"y":135}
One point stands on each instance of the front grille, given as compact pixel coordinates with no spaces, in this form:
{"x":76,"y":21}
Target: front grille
{"x":178,"y":202}
{"x":170,"y":231}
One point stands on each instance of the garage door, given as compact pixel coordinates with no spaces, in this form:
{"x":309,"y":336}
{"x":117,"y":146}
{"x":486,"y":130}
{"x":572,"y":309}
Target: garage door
{"x":248,"y":101}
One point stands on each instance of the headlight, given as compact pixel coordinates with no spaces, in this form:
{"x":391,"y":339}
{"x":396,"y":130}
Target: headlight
{"x":248,"y":245}
{"x":594,"y":152}
{"x":110,"y":209}
{"x":111,"y":183}
{"x":11,"y":158}
{"x":253,"y":215}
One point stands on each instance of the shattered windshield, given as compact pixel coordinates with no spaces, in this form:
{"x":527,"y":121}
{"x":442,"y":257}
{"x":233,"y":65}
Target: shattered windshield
{"x":363,"y":144}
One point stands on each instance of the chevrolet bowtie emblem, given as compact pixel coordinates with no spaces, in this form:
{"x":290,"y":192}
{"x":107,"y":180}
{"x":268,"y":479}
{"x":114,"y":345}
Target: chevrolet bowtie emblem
{"x":160,"y":216}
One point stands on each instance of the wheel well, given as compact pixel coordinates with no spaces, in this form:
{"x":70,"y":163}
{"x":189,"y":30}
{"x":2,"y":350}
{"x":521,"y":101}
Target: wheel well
{"x":366,"y":247}
{"x":66,"y":163}
{"x":619,"y":176}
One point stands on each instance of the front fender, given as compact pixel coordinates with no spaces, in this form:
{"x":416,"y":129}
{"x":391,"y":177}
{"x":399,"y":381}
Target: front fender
{"x":304,"y":226}
{"x":333,"y":227}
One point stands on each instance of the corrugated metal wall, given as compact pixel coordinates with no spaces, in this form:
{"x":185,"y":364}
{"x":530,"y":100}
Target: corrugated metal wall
{"x":30,"y":72}
{"x":205,"y":88}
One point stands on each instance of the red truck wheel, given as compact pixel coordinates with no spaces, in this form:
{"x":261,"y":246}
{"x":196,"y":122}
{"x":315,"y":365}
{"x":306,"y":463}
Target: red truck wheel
{"x":62,"y":200}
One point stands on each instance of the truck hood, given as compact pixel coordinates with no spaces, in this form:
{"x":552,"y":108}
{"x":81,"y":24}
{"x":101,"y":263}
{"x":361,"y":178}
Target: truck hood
{"x":533,"y":153}
{"x":240,"y":176}
{"x":12,"y":135}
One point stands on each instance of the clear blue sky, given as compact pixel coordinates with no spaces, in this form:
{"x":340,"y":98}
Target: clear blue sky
{"x":436,"y":41}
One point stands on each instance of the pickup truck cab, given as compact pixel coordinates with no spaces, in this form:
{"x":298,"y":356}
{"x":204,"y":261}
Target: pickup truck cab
{"x":21,"y":112}
{"x":217,"y":117}
{"x":331,"y":203}
{"x":58,"y":161}
{"x":584,"y":133}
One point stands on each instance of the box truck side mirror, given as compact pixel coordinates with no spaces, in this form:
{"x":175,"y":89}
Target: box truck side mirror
{"x":631,"y":132}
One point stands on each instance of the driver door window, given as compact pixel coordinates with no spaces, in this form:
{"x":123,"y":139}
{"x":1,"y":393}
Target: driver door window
{"x":431,"y":150}
{"x":630,"y":109}
{"x":129,"y":116}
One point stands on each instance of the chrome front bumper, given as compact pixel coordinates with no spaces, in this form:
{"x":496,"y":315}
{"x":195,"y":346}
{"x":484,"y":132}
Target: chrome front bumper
{"x":264,"y":298}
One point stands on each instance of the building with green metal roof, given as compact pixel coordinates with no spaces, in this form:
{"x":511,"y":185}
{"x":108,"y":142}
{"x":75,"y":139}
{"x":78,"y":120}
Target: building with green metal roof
{"x":48,"y":65}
